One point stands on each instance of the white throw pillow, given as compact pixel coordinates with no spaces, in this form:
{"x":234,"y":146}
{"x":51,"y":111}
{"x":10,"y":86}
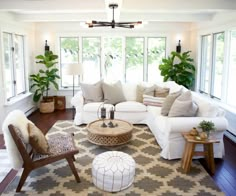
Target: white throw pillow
{"x":183,"y":106}
{"x":129,"y":91}
{"x":205,"y":107}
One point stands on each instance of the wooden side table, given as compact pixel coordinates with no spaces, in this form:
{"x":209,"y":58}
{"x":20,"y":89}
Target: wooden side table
{"x":189,"y":152}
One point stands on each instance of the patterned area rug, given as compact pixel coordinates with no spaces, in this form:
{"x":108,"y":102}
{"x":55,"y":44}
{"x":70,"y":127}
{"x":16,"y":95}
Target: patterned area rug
{"x":154,"y":175}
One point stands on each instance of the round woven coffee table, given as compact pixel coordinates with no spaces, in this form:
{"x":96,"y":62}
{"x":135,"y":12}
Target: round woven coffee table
{"x":121,"y":133}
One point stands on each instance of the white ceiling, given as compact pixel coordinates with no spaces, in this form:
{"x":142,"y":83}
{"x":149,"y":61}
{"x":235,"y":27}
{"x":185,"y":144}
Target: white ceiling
{"x":148,"y":10}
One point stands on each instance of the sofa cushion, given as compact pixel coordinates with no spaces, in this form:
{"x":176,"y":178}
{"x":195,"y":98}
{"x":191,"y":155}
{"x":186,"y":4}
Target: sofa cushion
{"x":94,"y":107}
{"x":154,"y":101}
{"x":130,"y":106}
{"x":113,"y":93}
{"x":168,"y":102}
{"x":141,"y":90}
{"x":183,"y":106}
{"x":92,"y":92}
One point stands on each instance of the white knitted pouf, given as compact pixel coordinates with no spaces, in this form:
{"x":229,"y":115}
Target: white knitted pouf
{"x":113,"y":171}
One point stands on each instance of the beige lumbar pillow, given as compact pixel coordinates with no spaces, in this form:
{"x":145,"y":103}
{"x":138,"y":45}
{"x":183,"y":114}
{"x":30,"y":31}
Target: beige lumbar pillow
{"x":144,"y":90}
{"x":168,"y":102}
{"x":37,"y":140}
{"x":183,"y":106}
{"x":161,"y":91}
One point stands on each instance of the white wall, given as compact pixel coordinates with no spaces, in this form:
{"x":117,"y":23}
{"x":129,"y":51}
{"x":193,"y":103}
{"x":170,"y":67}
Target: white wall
{"x":9,"y":24}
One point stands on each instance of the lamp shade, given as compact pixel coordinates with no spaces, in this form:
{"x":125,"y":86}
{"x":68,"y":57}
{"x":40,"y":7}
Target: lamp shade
{"x":74,"y":69}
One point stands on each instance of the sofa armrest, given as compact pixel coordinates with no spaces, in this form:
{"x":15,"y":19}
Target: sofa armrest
{"x":183,"y":124}
{"x":78,"y":100}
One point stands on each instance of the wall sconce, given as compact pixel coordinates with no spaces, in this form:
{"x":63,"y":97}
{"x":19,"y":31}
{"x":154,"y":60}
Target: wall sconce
{"x":46,"y":48}
{"x":178,"y":47}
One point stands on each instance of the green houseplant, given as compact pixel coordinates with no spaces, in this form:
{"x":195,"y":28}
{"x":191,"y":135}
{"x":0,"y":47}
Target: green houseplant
{"x":207,"y":127}
{"x":44,"y":79}
{"x":178,"y":67}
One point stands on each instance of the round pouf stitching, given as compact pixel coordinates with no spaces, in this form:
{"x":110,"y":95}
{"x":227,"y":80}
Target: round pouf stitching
{"x":113,"y":171}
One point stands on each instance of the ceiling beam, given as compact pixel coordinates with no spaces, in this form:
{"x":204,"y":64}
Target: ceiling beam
{"x":173,"y":17}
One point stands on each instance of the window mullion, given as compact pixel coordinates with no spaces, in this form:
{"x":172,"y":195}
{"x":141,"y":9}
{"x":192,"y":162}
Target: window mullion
{"x":212,"y":67}
{"x":13,"y":64}
{"x":226,"y":66}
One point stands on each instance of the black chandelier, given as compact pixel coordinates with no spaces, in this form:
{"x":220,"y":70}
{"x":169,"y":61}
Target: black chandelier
{"x":113,"y":24}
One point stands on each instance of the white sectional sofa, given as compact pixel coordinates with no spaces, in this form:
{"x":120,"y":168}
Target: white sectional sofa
{"x":166,"y":129}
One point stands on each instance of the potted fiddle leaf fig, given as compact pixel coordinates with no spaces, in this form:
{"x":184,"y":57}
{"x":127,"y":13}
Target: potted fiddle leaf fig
{"x":178,"y":67}
{"x":43,"y":80}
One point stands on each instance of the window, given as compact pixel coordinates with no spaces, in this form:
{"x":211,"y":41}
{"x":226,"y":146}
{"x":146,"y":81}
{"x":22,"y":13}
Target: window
{"x":69,"y":53}
{"x":231,"y":93}
{"x":205,"y":63}
{"x":14,"y":65}
{"x":217,"y":65}
{"x":212,"y":61}
{"x":112,"y":64}
{"x":134,"y":59}
{"x":91,"y":55}
{"x":156,"y":51}
{"x":112,"y":58}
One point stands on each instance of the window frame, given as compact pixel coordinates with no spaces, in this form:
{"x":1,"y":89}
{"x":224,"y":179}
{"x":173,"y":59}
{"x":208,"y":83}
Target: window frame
{"x":213,"y":65}
{"x":12,"y":67}
{"x":202,"y":77}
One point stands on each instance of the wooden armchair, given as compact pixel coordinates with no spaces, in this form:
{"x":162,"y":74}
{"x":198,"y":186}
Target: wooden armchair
{"x":64,"y":148}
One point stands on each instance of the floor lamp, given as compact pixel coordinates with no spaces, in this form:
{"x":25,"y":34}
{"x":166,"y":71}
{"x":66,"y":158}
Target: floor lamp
{"x":73,"y":70}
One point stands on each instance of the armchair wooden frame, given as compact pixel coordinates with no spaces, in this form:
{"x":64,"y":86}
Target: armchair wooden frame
{"x":29,"y":164}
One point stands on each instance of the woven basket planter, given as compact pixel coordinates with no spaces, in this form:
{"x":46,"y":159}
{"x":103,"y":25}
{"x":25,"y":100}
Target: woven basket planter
{"x":46,"y":107}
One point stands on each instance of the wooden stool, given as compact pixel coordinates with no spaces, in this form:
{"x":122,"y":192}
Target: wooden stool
{"x":189,"y":152}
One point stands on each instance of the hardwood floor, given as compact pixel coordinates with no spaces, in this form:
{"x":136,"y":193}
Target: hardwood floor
{"x":224,"y":177}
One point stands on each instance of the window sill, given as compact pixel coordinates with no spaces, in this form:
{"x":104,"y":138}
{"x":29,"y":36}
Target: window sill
{"x":17,"y":99}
